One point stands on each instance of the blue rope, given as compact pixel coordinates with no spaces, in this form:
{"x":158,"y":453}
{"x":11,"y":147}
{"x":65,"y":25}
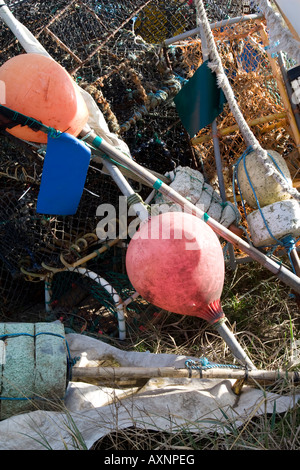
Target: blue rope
{"x":203,"y":363}
{"x":287,"y":242}
{"x":70,"y":361}
{"x":12,"y":335}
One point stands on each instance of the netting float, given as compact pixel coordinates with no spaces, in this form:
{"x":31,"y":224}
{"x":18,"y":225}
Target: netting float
{"x":273,"y":217}
{"x":192,"y":185}
{"x":35,"y":367}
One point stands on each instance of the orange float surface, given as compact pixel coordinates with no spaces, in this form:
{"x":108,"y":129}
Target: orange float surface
{"x":40,"y":88}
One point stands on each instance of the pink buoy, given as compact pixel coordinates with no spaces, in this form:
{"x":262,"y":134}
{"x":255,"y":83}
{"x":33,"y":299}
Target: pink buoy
{"x":175,"y":261}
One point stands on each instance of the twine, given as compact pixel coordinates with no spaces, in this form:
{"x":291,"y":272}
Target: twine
{"x":216,"y":66}
{"x":203,"y":364}
{"x":287,"y":242}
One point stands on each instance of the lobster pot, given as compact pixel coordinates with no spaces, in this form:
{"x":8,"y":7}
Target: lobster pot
{"x":267,"y":189}
{"x":282,"y":218}
{"x":190,"y":184}
{"x":33,"y":367}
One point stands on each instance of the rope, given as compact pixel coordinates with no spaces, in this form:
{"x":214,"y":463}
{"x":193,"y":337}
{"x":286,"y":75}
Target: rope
{"x":137,"y":199}
{"x":223,"y":82}
{"x":288,"y":242}
{"x":204,"y":364}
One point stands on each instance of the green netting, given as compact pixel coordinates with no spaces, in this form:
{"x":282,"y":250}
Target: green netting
{"x":114,"y":51}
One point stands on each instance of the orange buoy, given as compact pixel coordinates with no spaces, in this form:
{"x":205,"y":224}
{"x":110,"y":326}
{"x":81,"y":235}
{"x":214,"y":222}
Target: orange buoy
{"x":40,"y":88}
{"x":175,"y":261}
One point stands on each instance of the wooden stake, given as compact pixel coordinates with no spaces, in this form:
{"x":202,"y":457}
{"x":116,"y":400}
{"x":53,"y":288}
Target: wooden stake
{"x":282,"y":91}
{"x":117,"y":373}
{"x":231,"y":129}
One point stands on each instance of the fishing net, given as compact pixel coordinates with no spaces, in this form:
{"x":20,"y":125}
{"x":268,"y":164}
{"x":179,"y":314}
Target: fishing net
{"x":248,"y":68}
{"x":116,"y":52}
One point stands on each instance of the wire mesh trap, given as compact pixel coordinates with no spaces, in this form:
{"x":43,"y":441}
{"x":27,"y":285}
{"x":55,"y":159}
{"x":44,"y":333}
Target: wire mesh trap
{"x":116,"y":52}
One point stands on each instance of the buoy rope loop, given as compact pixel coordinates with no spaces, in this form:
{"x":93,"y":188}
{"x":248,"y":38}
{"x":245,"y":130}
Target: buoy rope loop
{"x":203,"y":363}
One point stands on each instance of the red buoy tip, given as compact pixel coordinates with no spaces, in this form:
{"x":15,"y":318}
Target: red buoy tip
{"x":212,"y":312}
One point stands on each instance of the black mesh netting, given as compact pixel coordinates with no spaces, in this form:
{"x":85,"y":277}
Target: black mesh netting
{"x":115,"y":51}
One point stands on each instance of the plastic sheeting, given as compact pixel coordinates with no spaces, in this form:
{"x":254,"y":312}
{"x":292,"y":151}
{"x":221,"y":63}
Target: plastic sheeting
{"x":171,"y":405}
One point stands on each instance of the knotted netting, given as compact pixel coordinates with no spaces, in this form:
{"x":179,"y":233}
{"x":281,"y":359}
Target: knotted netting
{"x":116,"y":51}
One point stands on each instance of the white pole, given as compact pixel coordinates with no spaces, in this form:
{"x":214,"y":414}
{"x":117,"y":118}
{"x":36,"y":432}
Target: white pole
{"x":24,"y":36}
{"x":116,"y":298}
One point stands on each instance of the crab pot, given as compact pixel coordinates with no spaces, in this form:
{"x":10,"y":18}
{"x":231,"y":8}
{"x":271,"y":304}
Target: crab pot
{"x":281,"y":218}
{"x":33,"y":367}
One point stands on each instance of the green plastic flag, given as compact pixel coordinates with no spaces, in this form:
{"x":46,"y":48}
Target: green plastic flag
{"x":200,"y":101}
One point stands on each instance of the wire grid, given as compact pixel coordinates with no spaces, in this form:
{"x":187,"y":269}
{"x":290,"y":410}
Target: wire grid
{"x":96,"y":43}
{"x":85,"y":305}
{"x":114,"y":51}
{"x":250,"y":74}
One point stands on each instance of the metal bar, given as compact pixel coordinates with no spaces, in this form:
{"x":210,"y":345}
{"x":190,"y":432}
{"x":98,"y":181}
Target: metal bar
{"x":280,"y":271}
{"x":218,"y":24}
{"x":233,"y":344}
{"x":62,"y":45}
{"x":56,"y":17}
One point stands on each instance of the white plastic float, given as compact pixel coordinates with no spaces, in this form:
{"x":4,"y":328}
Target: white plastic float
{"x":190,"y":184}
{"x":282,"y":218}
{"x":277,"y":214}
{"x":267,"y":189}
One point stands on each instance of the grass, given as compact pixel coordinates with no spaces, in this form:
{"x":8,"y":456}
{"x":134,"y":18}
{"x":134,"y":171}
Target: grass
{"x":264,"y":315}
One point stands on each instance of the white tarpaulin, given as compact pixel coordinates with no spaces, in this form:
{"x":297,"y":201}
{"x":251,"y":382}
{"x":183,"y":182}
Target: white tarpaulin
{"x":170,"y":404}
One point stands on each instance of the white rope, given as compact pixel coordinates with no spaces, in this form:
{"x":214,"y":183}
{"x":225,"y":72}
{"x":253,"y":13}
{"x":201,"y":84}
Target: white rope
{"x":223,"y":82}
